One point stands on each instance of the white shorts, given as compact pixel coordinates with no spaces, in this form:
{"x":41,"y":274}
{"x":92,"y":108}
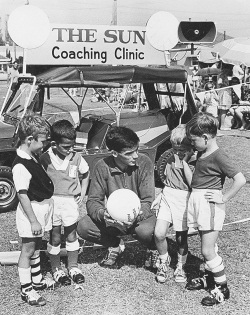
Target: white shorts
{"x":205,"y":215}
{"x":66,"y":211}
{"x":173,"y":208}
{"x":43,"y":211}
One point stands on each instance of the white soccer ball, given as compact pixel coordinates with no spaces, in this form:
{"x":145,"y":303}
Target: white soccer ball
{"x":123,"y":205}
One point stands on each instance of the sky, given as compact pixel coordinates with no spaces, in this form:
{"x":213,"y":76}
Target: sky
{"x":229,"y":16}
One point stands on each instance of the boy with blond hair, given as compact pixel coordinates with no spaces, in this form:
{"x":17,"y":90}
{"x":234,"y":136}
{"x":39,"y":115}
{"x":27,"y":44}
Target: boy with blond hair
{"x":206,"y":207}
{"x":172,"y":204}
{"x":34,"y":211}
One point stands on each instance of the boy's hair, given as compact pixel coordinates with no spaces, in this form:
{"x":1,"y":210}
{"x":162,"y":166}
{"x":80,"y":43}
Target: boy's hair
{"x":179,"y":136}
{"x":62,"y":129}
{"x":32,"y":125}
{"x":202,"y":123}
{"x":120,"y":138}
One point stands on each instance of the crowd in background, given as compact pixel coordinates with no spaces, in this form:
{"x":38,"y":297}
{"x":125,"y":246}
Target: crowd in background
{"x":227,"y":96}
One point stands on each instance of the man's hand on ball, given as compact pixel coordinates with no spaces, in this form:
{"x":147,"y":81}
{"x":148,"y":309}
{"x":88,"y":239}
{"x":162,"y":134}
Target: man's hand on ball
{"x":109,"y":219}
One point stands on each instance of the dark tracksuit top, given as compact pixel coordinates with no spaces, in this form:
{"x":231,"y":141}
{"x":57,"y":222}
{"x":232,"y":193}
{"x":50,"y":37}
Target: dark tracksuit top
{"x":108,"y":177}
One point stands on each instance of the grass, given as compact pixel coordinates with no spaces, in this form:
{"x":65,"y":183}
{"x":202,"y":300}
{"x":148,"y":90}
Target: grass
{"x":131,"y":289}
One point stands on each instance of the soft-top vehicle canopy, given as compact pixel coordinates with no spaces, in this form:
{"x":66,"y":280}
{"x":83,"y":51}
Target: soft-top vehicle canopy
{"x":113,"y":76}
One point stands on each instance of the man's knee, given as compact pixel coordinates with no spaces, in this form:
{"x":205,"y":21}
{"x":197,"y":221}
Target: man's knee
{"x":145,"y":228}
{"x":83,"y":227}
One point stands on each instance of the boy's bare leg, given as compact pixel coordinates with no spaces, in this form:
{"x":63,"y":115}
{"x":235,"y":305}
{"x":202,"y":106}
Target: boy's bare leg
{"x":161,"y":229}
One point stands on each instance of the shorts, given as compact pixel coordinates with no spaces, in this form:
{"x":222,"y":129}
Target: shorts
{"x":205,"y":215}
{"x":173,"y":208}
{"x":66,"y":211}
{"x":212,"y":110}
{"x":43,"y":211}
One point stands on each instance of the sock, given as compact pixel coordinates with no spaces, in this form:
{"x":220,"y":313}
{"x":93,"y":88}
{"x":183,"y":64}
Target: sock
{"x":164,"y":258}
{"x":72,"y":252}
{"x":182,"y":259}
{"x":122,"y":245}
{"x":54,"y":256}
{"x":217,"y":268}
{"x":25,"y":278}
{"x":36,"y":274}
{"x":72,"y":259}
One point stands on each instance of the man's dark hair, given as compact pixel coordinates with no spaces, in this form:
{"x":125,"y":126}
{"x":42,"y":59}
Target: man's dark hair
{"x":120,"y":138}
{"x":62,"y":129}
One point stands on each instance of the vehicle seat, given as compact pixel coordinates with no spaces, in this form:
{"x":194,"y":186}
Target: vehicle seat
{"x":97,"y":135}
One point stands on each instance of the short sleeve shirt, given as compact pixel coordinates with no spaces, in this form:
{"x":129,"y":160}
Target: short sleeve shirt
{"x":21,"y":176}
{"x":211,"y":171}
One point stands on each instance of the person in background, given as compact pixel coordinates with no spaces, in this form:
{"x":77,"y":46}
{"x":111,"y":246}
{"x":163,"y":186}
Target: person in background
{"x":211,"y":100}
{"x":65,"y":167}
{"x":239,"y":72}
{"x":235,"y":104}
{"x":13,"y":74}
{"x":225,"y":100}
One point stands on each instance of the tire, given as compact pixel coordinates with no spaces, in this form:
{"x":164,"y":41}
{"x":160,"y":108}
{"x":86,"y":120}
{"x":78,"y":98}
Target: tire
{"x":8,"y":196}
{"x":161,"y":163}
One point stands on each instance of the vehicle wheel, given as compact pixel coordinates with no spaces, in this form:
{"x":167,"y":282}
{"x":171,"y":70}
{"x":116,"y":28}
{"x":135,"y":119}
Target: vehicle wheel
{"x":161,"y":163}
{"x":8,"y":196}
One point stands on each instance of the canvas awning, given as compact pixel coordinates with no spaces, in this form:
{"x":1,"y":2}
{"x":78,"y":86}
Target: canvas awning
{"x":109,"y":76}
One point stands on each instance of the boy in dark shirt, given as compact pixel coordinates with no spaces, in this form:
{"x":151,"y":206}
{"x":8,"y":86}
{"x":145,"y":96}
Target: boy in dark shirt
{"x":34,"y":212}
{"x":206,"y":206}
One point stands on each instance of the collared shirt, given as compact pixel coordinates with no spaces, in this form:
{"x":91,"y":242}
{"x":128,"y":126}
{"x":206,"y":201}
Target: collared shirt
{"x":65,"y":173}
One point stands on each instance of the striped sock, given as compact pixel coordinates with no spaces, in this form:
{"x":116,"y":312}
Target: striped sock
{"x":36,"y":274}
{"x":25,"y":278}
{"x":217,"y":268}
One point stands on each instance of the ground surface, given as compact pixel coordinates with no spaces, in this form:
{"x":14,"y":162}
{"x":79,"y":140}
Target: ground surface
{"x":131,"y":289}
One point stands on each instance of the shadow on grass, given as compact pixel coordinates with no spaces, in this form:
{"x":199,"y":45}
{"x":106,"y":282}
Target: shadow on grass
{"x":134,"y":256}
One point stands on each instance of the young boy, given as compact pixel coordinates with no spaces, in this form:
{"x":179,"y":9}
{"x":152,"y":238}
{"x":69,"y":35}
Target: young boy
{"x":64,"y":166}
{"x":206,"y":207}
{"x":34,"y":211}
{"x":173,"y":205}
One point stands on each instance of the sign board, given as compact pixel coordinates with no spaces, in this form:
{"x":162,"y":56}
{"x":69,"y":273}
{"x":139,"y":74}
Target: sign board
{"x":76,"y":44}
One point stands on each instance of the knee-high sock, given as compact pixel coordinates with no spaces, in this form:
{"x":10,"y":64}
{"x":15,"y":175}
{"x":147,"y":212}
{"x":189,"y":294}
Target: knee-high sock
{"x":35,"y":265}
{"x":217,"y":268}
{"x":25,"y":278}
{"x":54,"y":256}
{"x":72,"y":251}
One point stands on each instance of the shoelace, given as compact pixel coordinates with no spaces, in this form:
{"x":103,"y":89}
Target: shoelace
{"x":50,"y":283}
{"x":163,"y":267}
{"x":32,"y":295}
{"x":74,"y":271}
{"x":217,"y":294}
{"x":179,"y":271}
{"x":202,"y":279}
{"x":59,"y":273}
